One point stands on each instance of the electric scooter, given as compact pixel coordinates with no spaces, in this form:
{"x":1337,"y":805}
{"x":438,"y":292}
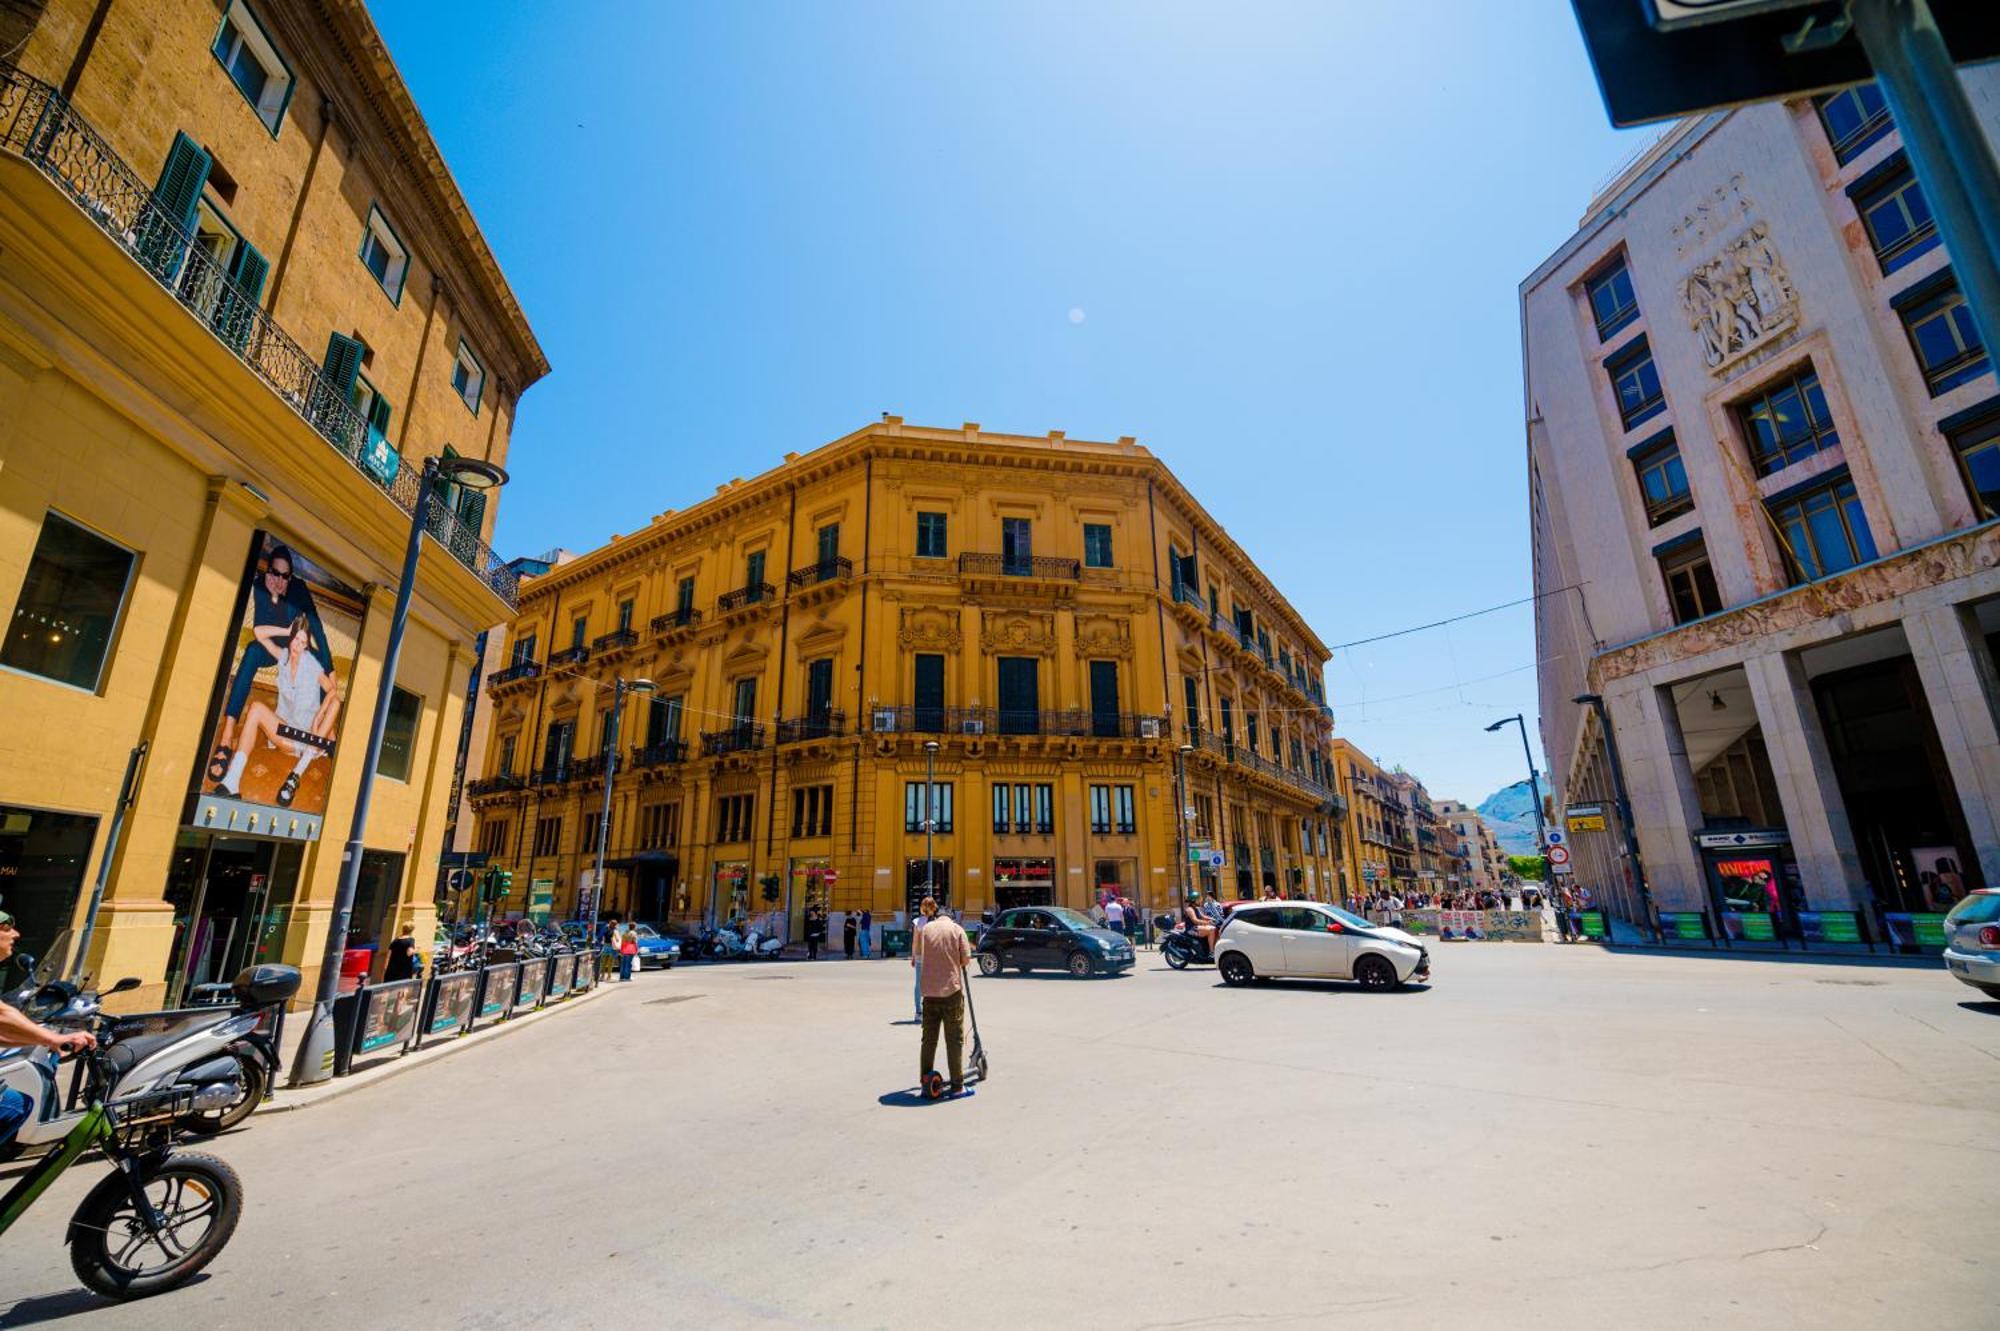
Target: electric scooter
{"x":934,"y":1085}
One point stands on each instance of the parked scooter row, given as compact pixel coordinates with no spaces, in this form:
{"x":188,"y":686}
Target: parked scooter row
{"x":726,"y":944}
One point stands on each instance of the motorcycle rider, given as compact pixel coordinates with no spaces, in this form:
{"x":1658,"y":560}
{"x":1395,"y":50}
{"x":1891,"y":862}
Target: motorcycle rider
{"x":17,"y":1030}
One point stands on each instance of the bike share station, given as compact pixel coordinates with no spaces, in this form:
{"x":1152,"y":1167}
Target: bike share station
{"x":401,"y":1016}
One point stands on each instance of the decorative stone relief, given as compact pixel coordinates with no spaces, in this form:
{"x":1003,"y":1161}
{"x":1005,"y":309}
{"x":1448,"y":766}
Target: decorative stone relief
{"x":1740,"y":299}
{"x":930,"y":629}
{"x":1018,"y":633}
{"x":1102,"y":636}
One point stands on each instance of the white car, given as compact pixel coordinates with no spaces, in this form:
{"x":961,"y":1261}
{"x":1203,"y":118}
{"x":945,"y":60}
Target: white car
{"x":1311,"y":940}
{"x":1972,"y":941}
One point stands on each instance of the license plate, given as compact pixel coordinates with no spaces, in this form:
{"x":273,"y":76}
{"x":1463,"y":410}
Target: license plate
{"x":1957,"y":967}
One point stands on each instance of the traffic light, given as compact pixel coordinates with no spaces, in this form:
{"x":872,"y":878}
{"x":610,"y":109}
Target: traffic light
{"x":503,"y":884}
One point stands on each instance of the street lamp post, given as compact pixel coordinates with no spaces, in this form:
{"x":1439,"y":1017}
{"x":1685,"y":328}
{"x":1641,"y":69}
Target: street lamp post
{"x":1534,"y":785}
{"x":315,"y":1057}
{"x":619,"y":688}
{"x":930,"y":819}
{"x":1596,"y":703}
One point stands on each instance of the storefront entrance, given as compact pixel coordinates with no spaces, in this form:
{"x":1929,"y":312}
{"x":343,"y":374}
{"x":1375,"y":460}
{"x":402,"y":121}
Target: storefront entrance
{"x":926,"y":877}
{"x":1753,"y":884}
{"x":231,"y":897}
{"x":1024,"y":882}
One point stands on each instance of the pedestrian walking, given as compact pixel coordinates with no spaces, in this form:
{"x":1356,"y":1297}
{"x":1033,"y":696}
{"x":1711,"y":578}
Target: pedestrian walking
{"x":402,"y":963}
{"x":861,"y":936}
{"x":1114,"y":916}
{"x":815,"y":931}
{"x":940,"y":954}
{"x":628,"y":952}
{"x":849,"y":929}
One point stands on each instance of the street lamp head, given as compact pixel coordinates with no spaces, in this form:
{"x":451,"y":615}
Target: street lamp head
{"x":1499,"y":724}
{"x":471,"y":473}
{"x":1187,"y":748}
{"x":930,"y":746}
{"x":638,"y":686}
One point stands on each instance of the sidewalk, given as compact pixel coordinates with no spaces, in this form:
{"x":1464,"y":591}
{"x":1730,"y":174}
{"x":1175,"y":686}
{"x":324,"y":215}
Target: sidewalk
{"x":1627,"y":937}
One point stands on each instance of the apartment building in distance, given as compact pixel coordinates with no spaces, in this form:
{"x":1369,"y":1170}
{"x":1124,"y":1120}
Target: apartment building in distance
{"x":241,"y":299}
{"x":1764,"y":465}
{"x":1481,"y":864}
{"x":913,"y":660}
{"x":1381,"y":844}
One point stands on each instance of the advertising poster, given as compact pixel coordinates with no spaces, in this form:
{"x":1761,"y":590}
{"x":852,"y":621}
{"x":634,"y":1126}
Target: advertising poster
{"x":451,"y":1002}
{"x":280,"y":699}
{"x":562,"y":973}
{"x":496,"y":994}
{"x":388,"y":1015}
{"x":534,"y":979}
{"x":1940,"y":884}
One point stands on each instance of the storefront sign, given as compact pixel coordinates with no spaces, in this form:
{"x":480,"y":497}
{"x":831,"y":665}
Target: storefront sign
{"x":1749,"y":926}
{"x":388,"y":1014}
{"x":1585,"y":817}
{"x":1913,"y":930}
{"x":1686,"y":925}
{"x":450,"y":1005}
{"x":269,"y":745}
{"x":496,"y":988}
{"x":1750,"y":839}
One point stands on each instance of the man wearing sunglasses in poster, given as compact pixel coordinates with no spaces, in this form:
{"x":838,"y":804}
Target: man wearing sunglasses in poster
{"x":278,"y":599}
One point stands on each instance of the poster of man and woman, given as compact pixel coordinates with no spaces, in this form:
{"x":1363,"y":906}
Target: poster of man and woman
{"x":276,"y":720}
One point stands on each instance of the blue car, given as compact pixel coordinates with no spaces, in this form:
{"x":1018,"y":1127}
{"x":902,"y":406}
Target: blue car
{"x":655,"y":949}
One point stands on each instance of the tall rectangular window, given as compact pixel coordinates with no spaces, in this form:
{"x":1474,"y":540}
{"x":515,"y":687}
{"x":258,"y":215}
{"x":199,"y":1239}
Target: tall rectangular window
{"x":828,"y":543}
{"x":384,"y":255}
{"x":1612,"y":304}
{"x":1096,"y":545}
{"x":1100,"y":809}
{"x":684,"y":595}
{"x":69,"y":606}
{"x":1942,"y":333}
{"x":468,"y":378}
{"x":928,"y":670}
{"x":753,"y":572}
{"x":1787,"y":422}
{"x":1003,"y":819}
{"x":558,"y":747}
{"x":1853,"y":118}
{"x":930,"y":536}
{"x":746,"y":701}
{"x":819,"y":689}
{"x":1636,"y":383}
{"x":1104,"y":699}
{"x":524,"y":649}
{"x":508,"y":745}
{"x":1191,"y":700}
{"x":1895,"y":212}
{"x":734,"y":816}
{"x":663,"y":718}
{"x":1825,"y":529}
{"x":812,"y":810}
{"x":548,"y":835}
{"x":1045,"y":809}
{"x":1112,"y":810}
{"x":1663,"y":482}
{"x":1020,"y":696}
{"x":399,"y":738}
{"x":1017,"y":546}
{"x":245,"y":50}
{"x":1691,"y":588}
{"x":579,"y":630}
{"x":914,"y":811}
{"x":624,"y":615}
{"x":1977,"y":446}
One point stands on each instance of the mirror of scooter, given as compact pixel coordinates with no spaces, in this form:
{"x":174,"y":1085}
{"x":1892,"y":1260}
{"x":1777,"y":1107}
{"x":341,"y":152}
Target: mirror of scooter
{"x":125,"y":985}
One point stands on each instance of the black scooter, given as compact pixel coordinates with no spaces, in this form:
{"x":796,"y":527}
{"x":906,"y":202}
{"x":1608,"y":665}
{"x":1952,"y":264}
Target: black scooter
{"x":1183,"y":949}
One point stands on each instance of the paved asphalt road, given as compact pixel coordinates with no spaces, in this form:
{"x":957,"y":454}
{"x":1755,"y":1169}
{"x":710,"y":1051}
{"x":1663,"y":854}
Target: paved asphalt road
{"x":1546,"y":1137}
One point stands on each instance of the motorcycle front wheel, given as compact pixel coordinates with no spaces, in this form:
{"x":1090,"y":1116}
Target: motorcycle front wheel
{"x":1177,"y":957}
{"x":199,"y":1200}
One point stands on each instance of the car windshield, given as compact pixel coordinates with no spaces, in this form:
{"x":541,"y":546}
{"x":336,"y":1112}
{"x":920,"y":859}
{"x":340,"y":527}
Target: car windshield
{"x":1070,"y":919}
{"x":645,"y":931}
{"x":1979,"y":908}
{"x":1347,"y":918}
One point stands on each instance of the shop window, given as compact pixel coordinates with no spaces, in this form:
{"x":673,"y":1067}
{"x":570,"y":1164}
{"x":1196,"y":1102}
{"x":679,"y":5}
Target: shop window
{"x":913,"y":806}
{"x":252,"y":61}
{"x":69,"y":606}
{"x":1942,"y":333}
{"x":1825,"y":530}
{"x":1612,"y":304}
{"x":1663,"y":482}
{"x":1636,"y":383}
{"x":399,"y":738}
{"x":1787,"y":422}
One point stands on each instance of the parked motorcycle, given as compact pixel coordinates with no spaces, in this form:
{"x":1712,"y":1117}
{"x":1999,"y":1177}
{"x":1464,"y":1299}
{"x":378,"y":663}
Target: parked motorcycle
{"x":758,"y":947}
{"x":1183,"y":949}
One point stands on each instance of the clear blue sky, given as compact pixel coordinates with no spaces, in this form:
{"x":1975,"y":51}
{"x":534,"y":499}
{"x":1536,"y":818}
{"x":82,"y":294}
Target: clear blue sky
{"x":1293,"y":233}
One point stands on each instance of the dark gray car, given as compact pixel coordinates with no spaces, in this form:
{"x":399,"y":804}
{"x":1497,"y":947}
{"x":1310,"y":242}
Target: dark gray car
{"x":1052,"y":938}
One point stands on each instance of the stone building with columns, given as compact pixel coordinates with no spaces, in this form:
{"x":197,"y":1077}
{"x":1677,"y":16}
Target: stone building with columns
{"x":1763,"y":449}
{"x":1053,"y":633}
{"x":241,"y":299}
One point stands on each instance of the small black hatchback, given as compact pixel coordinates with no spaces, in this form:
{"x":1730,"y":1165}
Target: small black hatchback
{"x":1051,"y":938}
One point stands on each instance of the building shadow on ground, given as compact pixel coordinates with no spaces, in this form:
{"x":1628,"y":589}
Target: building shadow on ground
{"x":1989,"y":1007}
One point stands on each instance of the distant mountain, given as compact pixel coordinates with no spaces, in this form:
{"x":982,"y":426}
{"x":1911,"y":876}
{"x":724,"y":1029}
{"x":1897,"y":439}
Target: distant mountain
{"x":1510,"y":812}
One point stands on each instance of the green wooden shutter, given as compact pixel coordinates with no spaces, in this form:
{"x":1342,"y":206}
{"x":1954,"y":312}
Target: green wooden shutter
{"x":168,"y":222}
{"x":343,"y":364}
{"x":236,"y":310}
{"x":378,"y":414}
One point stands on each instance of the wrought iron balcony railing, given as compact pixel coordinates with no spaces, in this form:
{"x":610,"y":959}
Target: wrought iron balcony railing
{"x":659,"y":753}
{"x":614,"y":640}
{"x":1187,"y":595}
{"x":753,"y":594}
{"x":922,"y":720}
{"x":826,"y":570}
{"x":494,"y":785}
{"x":736,"y":739}
{"x":1021,"y":566}
{"x":684,"y":617}
{"x":820,"y":725}
{"x":576,"y":655}
{"x":549,"y":774}
{"x":518,"y":670}
{"x":41,"y":127}
{"x":586,"y":769}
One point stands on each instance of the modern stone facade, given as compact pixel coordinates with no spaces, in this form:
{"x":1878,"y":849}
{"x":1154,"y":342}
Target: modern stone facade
{"x":1763,"y":473}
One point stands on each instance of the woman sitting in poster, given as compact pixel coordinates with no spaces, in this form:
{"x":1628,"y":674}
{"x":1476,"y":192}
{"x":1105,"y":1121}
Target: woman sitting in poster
{"x":308,"y":705}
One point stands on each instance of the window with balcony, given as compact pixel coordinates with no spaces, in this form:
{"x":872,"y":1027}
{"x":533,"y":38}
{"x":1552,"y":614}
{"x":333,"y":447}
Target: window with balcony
{"x":1191,"y":701}
{"x":746,"y":701}
{"x":1691,"y":589}
{"x":384,"y":255}
{"x":524,"y":649}
{"x":1975,"y":441}
{"x":1096,"y":545}
{"x":508,"y":745}
{"x":1787,"y":422}
{"x":684,"y":597}
{"x":579,"y":631}
{"x":1636,"y":384}
{"x":1020,"y":695}
{"x":1853,"y":118}
{"x":1612,"y":304}
{"x":468,"y":377}
{"x":663,"y":719}
{"x":252,"y":61}
{"x":625,"y":609}
{"x":1895,"y":213}
{"x":812,"y":810}
{"x":734,"y":816}
{"x":1017,"y":546}
{"x":1825,"y":529}
{"x":1663,"y":482}
{"x":931,"y":536}
{"x":939,"y":811}
{"x":753,"y":575}
{"x":827,"y":542}
{"x":927,"y":680}
{"x":1942,"y":333}
{"x":71,"y":601}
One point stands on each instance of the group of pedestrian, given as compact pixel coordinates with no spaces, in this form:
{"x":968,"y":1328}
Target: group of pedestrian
{"x":619,"y":941}
{"x":855,"y":931}
{"x":1116,"y":913}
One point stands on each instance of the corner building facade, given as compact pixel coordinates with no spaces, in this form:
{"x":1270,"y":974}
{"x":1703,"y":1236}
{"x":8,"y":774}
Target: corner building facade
{"x":1764,"y":468}
{"x":240,"y":301}
{"x":1027,"y":620}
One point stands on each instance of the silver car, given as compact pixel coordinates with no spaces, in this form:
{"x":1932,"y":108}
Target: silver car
{"x":1972,"y":941}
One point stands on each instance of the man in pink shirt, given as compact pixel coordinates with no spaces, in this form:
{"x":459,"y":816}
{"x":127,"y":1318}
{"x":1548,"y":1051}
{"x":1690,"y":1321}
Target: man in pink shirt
{"x":941,"y":953}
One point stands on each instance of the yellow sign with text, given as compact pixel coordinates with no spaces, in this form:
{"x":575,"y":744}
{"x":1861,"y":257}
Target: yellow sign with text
{"x":1586,"y":820}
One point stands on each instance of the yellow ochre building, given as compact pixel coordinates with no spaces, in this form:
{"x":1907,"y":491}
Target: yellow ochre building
{"x":1054,"y":630}
{"x":241,"y":300}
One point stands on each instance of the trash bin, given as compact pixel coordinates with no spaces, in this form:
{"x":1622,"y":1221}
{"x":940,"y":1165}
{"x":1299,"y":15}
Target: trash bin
{"x":355,"y":963}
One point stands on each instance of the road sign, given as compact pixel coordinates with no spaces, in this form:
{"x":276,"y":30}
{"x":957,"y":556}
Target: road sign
{"x":1560,"y":870}
{"x":1188,"y":813}
{"x":1216,"y":859}
{"x":1585,"y":817}
{"x":1646,"y":73}
{"x":1558,"y":855}
{"x":1554,"y":837}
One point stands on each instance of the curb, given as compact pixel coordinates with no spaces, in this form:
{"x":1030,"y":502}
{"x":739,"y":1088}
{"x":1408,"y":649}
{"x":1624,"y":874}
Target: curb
{"x":1794,"y":955}
{"x":290,"y":1101}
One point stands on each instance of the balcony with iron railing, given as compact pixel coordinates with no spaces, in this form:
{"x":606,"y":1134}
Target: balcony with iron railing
{"x":751,"y":594}
{"x":681,"y":617}
{"x":659,"y":753}
{"x":514,"y":674}
{"x":742,"y":738}
{"x":586,"y":769}
{"x":890,"y":719}
{"x":838,"y":569}
{"x":615,"y":641}
{"x":494,"y":785}
{"x":549,"y":774}
{"x":819,"y":725}
{"x":40,"y":126}
{"x":1042,"y":567}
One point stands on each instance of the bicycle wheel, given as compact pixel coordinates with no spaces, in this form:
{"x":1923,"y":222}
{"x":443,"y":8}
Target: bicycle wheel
{"x":199,"y":1199}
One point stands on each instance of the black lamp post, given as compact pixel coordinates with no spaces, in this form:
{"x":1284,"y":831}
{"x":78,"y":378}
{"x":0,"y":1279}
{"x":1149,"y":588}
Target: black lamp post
{"x":619,"y":688}
{"x":1181,"y":821}
{"x":1534,"y":785}
{"x":315,"y":1057}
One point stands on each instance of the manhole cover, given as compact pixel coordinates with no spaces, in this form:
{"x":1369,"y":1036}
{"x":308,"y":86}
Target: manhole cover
{"x":1866,"y":984}
{"x":677,"y":998}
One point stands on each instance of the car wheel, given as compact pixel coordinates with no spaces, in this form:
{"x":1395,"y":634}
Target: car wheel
{"x":1236,"y":969}
{"x":1990,"y":990}
{"x":988,"y":964}
{"x":1079,"y":966}
{"x":1375,"y":972}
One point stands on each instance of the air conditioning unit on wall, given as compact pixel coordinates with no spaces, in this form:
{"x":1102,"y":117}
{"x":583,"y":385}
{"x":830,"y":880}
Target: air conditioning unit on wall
{"x":972,"y":727}
{"x":1149,"y":727}
{"x":885,"y":719}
